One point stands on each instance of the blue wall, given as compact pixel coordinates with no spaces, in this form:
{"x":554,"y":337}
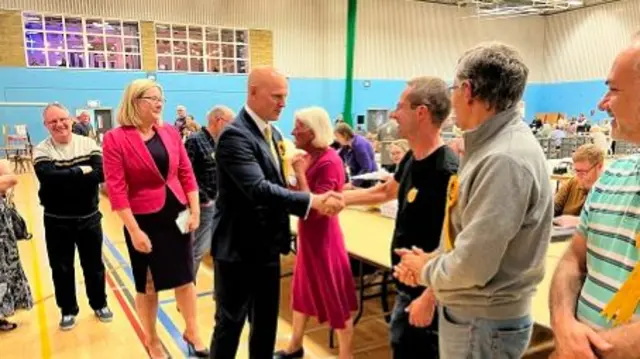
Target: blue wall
{"x":200,"y":91}
{"x":573,"y":98}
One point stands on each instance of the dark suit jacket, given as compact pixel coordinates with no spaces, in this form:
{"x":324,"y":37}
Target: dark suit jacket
{"x":251,"y":220}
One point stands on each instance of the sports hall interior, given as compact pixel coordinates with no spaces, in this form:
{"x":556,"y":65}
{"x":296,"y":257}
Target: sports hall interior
{"x":351,"y":57}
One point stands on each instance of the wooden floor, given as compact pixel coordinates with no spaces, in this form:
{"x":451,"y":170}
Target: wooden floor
{"x":38,"y":335}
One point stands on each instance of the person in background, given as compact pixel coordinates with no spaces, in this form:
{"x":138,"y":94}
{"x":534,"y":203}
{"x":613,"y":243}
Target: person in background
{"x":15,"y":293}
{"x":557,"y":135}
{"x":498,"y":218}
{"x":201,"y":150}
{"x":69,"y":169}
{"x":152,"y":188}
{"x":457,"y":146}
{"x":181,"y":119}
{"x":190,"y":127}
{"x":321,"y":255}
{"x":358,"y":154}
{"x":83,"y":126}
{"x":593,"y":295}
{"x":420,"y":186}
{"x":397,"y":150}
{"x":588,"y":164}
{"x":251,"y":225}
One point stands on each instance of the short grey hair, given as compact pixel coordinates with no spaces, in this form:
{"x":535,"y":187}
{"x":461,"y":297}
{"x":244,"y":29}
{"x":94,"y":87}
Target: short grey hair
{"x":220,"y":110}
{"x":432,"y":92}
{"x":53,"y":105}
{"x":496,"y":72}
{"x":318,"y":120}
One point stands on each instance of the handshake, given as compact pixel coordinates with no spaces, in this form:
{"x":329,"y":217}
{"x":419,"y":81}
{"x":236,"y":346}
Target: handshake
{"x":329,"y":203}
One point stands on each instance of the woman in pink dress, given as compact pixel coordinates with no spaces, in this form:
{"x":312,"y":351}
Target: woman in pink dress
{"x":322,"y":282}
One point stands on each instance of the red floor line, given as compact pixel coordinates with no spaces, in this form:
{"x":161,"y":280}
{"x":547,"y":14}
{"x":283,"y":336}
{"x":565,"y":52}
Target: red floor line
{"x":127,"y":310}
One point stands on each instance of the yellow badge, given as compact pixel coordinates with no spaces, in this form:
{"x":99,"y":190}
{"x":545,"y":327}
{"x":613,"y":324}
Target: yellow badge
{"x":411,"y":195}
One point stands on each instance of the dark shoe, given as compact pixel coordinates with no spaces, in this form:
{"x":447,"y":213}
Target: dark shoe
{"x":192,"y":350}
{"x":298,"y":354}
{"x":7,"y":326}
{"x":104,"y":315}
{"x":67,"y":322}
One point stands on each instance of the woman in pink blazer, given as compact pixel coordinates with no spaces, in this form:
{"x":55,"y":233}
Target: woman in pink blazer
{"x":150,"y":184}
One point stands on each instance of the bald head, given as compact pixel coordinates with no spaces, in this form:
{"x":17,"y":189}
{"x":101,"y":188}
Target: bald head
{"x":217,"y":118}
{"x":267,"y":92}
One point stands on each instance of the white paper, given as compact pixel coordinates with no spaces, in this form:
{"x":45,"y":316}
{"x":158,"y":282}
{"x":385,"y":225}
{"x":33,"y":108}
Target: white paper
{"x":181,"y":221}
{"x":378,"y":175}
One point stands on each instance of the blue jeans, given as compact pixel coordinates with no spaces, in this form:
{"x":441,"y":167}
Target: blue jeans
{"x":202,"y":236}
{"x":479,"y":338}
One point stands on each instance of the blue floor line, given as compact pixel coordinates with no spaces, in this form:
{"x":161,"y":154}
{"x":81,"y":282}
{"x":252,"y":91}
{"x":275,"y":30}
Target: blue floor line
{"x":162,"y":315}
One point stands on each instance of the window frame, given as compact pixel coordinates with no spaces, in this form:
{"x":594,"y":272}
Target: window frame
{"x":205,"y":57}
{"x":86,"y":52}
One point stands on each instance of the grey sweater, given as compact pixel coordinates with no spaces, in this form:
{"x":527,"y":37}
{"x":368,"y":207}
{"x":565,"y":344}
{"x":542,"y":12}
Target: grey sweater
{"x":501,"y":224}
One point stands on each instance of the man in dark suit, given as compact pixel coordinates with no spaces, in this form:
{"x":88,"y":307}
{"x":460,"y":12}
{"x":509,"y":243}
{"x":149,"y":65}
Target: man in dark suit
{"x":251,"y":222}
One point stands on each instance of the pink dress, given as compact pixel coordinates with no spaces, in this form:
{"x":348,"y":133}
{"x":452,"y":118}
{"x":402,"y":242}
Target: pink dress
{"x":323,"y":285}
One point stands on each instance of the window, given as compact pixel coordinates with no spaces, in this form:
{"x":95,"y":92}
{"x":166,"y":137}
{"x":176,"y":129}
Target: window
{"x":76,"y":42}
{"x":202,"y":49}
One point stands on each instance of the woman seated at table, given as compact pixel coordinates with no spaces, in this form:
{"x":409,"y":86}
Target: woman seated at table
{"x":397,"y":150}
{"x":358,"y":153}
{"x":588,"y":163}
{"x":322,"y":283}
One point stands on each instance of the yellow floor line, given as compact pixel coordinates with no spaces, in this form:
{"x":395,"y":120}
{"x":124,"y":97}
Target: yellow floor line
{"x":45,"y":341}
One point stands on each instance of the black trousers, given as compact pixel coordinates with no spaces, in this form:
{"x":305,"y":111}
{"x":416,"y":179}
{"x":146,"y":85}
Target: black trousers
{"x":244,"y":291}
{"x":62,"y":236}
{"x":407,"y":341}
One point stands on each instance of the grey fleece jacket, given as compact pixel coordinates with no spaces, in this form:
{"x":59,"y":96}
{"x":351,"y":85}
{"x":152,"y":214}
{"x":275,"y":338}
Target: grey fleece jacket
{"x":501,"y":224}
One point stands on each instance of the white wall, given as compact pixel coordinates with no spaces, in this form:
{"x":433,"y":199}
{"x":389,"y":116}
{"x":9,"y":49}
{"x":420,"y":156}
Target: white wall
{"x":581,"y":44}
{"x":398,"y":39}
{"x":395,"y":39}
{"x":304,"y":30}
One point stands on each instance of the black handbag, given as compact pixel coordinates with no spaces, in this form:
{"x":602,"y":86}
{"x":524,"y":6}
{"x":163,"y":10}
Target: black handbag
{"x":18,"y":223}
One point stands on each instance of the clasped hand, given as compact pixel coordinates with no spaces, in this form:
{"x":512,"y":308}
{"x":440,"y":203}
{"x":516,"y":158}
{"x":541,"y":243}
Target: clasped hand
{"x":411,"y":263}
{"x":329,"y":203}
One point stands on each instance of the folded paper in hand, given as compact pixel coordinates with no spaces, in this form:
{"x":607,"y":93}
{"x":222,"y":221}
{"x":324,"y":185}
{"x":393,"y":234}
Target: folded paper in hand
{"x":182,"y":220}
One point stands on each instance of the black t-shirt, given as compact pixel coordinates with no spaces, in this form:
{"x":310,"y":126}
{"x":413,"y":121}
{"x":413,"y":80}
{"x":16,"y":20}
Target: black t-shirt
{"x":422,"y":194}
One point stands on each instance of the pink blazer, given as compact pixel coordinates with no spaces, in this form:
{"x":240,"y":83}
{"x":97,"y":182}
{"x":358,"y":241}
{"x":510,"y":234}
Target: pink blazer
{"x":132,"y":177}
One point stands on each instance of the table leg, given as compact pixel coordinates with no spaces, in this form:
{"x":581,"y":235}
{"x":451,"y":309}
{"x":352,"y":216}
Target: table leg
{"x":383,"y":297}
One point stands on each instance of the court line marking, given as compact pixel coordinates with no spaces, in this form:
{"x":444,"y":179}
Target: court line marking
{"x":163,"y":318}
{"x":45,"y":340}
{"x":118,"y":292}
{"x":173,"y":300}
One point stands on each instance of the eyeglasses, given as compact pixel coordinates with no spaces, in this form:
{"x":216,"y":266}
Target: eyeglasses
{"x":154,"y":99}
{"x":583,"y":172}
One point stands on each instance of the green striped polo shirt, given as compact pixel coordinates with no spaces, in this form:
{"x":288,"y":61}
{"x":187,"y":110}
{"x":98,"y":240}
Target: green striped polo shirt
{"x":610,"y":220}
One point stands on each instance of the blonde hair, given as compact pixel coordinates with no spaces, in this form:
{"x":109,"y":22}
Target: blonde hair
{"x":590,"y":153}
{"x":318,"y":120}
{"x":402,"y":144}
{"x":128,"y":111}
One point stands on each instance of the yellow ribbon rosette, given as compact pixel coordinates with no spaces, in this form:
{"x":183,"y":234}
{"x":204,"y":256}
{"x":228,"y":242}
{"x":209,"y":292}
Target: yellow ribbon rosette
{"x":452,"y":199}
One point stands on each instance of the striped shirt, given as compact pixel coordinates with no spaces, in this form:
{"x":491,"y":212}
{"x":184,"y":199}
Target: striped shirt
{"x":65,"y":191}
{"x":610,"y":221}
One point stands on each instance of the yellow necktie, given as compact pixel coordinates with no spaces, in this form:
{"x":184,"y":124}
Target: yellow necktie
{"x":269,"y":138}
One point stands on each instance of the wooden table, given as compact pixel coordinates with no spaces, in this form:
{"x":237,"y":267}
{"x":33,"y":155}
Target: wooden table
{"x":368,"y":238}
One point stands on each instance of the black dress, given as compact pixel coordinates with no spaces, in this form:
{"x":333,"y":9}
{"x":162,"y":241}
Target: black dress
{"x":171,"y":257}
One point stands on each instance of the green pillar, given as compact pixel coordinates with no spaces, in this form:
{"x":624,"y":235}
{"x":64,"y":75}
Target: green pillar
{"x":351,"y":42}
